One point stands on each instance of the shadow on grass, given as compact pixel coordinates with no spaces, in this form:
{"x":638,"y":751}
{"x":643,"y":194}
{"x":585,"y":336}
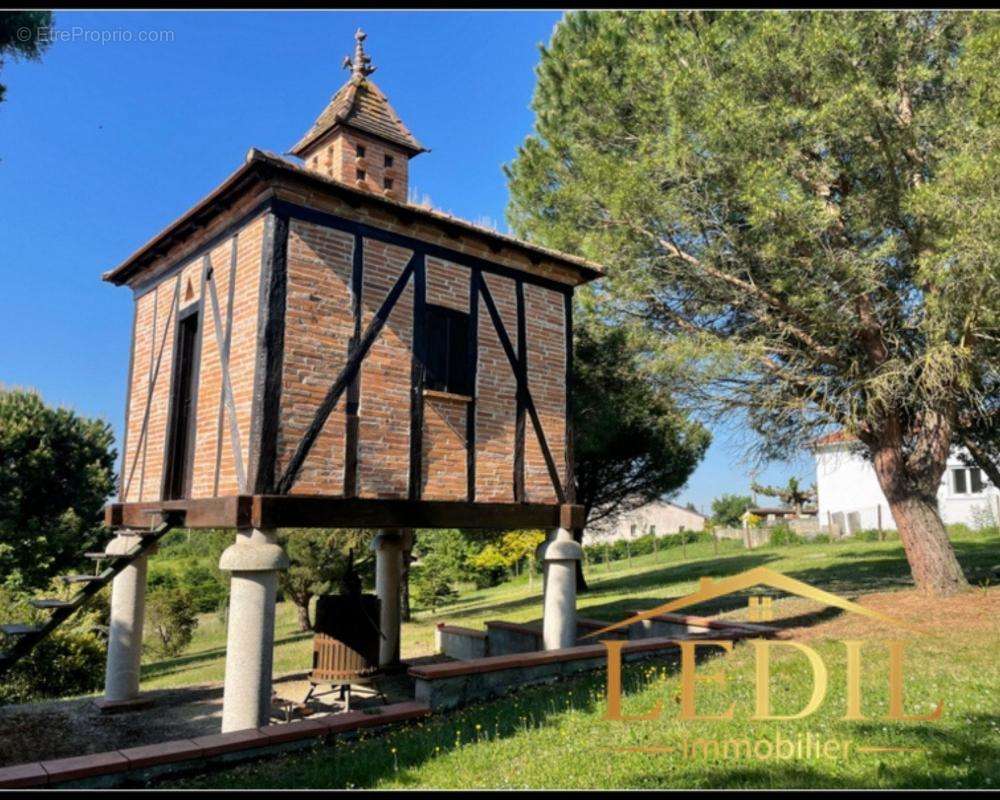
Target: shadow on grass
{"x":173,"y":666}
{"x":970,"y":746}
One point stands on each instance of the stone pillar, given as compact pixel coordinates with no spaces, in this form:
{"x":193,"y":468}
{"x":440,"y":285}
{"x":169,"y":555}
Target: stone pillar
{"x":128,"y":609}
{"x":559,"y":556}
{"x":254,"y":561}
{"x":388,"y":547}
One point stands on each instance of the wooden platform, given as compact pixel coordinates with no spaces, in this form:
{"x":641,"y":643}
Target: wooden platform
{"x":321,"y":511}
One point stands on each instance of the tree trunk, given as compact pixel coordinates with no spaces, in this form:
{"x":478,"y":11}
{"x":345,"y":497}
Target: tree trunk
{"x":302,"y":609}
{"x":935,"y":570}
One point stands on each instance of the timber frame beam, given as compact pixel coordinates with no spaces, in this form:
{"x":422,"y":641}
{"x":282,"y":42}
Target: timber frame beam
{"x":321,"y":511}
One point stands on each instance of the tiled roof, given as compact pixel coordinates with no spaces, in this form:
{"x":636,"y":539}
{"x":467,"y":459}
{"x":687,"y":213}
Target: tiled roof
{"x":222,"y":198}
{"x":834,"y":438}
{"x":360,"y":104}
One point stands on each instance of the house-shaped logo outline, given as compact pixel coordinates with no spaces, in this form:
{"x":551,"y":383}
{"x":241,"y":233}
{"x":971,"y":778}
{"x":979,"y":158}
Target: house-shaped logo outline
{"x":713,"y":588}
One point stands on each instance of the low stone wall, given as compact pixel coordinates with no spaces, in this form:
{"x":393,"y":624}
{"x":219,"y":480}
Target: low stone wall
{"x":452,"y":685}
{"x":503,"y":638}
{"x":460,"y":643}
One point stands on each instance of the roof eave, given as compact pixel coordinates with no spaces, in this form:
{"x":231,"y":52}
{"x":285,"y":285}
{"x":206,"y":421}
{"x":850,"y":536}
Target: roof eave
{"x":258,"y":166}
{"x":308,"y":141}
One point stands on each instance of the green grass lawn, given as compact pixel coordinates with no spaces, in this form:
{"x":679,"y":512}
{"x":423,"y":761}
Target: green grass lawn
{"x":557,"y":737}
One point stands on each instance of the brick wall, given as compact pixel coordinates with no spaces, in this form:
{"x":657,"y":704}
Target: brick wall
{"x":384,"y":429}
{"x":318,"y":328}
{"x":318,"y":325}
{"x":153,"y":310}
{"x":336,"y":156}
{"x":496,"y":397}
{"x":545,"y":332}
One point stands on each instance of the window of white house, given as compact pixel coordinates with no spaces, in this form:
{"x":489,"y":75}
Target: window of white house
{"x":652,"y":530}
{"x":967,"y":481}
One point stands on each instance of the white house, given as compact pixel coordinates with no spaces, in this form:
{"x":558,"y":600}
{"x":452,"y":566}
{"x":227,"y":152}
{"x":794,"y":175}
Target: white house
{"x":850,"y":498}
{"x":659,"y":517}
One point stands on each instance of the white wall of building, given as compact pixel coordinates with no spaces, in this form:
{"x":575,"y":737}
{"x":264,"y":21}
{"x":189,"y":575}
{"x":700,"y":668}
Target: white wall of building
{"x":659,"y":517}
{"x":846,"y":484}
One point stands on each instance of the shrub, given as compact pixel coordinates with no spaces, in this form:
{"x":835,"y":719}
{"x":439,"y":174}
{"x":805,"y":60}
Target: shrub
{"x":781,"y":535}
{"x":821,"y":538}
{"x":207,"y":593}
{"x":170,"y":620}
{"x":431,"y":588}
{"x":67,"y":662}
{"x":70,"y":661}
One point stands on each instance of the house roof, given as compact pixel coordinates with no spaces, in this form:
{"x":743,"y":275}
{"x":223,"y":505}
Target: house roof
{"x":836,"y":437}
{"x":360,"y":104}
{"x":263,"y":166}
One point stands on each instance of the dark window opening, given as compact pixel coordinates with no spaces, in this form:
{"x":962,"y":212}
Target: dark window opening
{"x":181,"y":409}
{"x":359,"y":151}
{"x":448,"y":351}
{"x":976,"y":480}
{"x":387,"y":183}
{"x":361,"y":174}
{"x":388,"y":161}
{"x":959,"y":478}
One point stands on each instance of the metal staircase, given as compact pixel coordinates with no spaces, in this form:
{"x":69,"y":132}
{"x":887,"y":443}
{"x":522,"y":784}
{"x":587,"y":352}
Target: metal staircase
{"x":25,"y":635}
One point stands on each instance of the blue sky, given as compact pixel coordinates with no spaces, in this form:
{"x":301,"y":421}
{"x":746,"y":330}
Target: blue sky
{"x":103,"y":144}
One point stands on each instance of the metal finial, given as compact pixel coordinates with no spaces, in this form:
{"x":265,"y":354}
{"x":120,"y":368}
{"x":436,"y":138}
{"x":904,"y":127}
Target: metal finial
{"x":361,"y":65}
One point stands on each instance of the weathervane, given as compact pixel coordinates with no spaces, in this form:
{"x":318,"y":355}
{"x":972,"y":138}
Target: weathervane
{"x":361,"y":65}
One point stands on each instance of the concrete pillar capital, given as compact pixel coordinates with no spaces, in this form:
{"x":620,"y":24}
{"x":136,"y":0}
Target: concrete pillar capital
{"x":396,"y":539}
{"x":560,"y":546}
{"x":254,"y":551}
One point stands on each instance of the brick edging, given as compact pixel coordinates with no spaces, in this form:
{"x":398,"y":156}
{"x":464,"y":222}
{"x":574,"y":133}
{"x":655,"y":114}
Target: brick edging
{"x":53,"y":772}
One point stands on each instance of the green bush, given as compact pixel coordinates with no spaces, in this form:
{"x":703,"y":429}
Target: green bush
{"x":821,"y":538}
{"x":781,"y":535}
{"x":430,"y":587}
{"x":207,"y":593}
{"x":67,"y":662}
{"x":70,"y":661}
{"x":170,"y":620}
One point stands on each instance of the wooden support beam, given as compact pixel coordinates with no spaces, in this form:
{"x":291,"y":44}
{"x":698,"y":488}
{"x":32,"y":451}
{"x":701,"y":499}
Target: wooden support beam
{"x":352,"y":421}
{"x":472,"y":366}
{"x":313,"y":511}
{"x":270,"y":355}
{"x":569,"y":482}
{"x":520,"y":368}
{"x":418,"y":378}
{"x":324,"y":511}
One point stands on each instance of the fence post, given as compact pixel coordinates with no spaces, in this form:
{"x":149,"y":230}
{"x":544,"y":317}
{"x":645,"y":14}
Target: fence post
{"x":880,"y":536}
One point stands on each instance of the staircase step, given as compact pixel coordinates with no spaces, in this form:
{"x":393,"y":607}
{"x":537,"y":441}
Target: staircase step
{"x":19,"y":629}
{"x":50,"y":602}
{"x":142,"y":532}
{"x":80,"y":578}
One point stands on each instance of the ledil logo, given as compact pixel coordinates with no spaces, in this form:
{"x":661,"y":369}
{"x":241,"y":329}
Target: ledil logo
{"x":760,"y":609}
